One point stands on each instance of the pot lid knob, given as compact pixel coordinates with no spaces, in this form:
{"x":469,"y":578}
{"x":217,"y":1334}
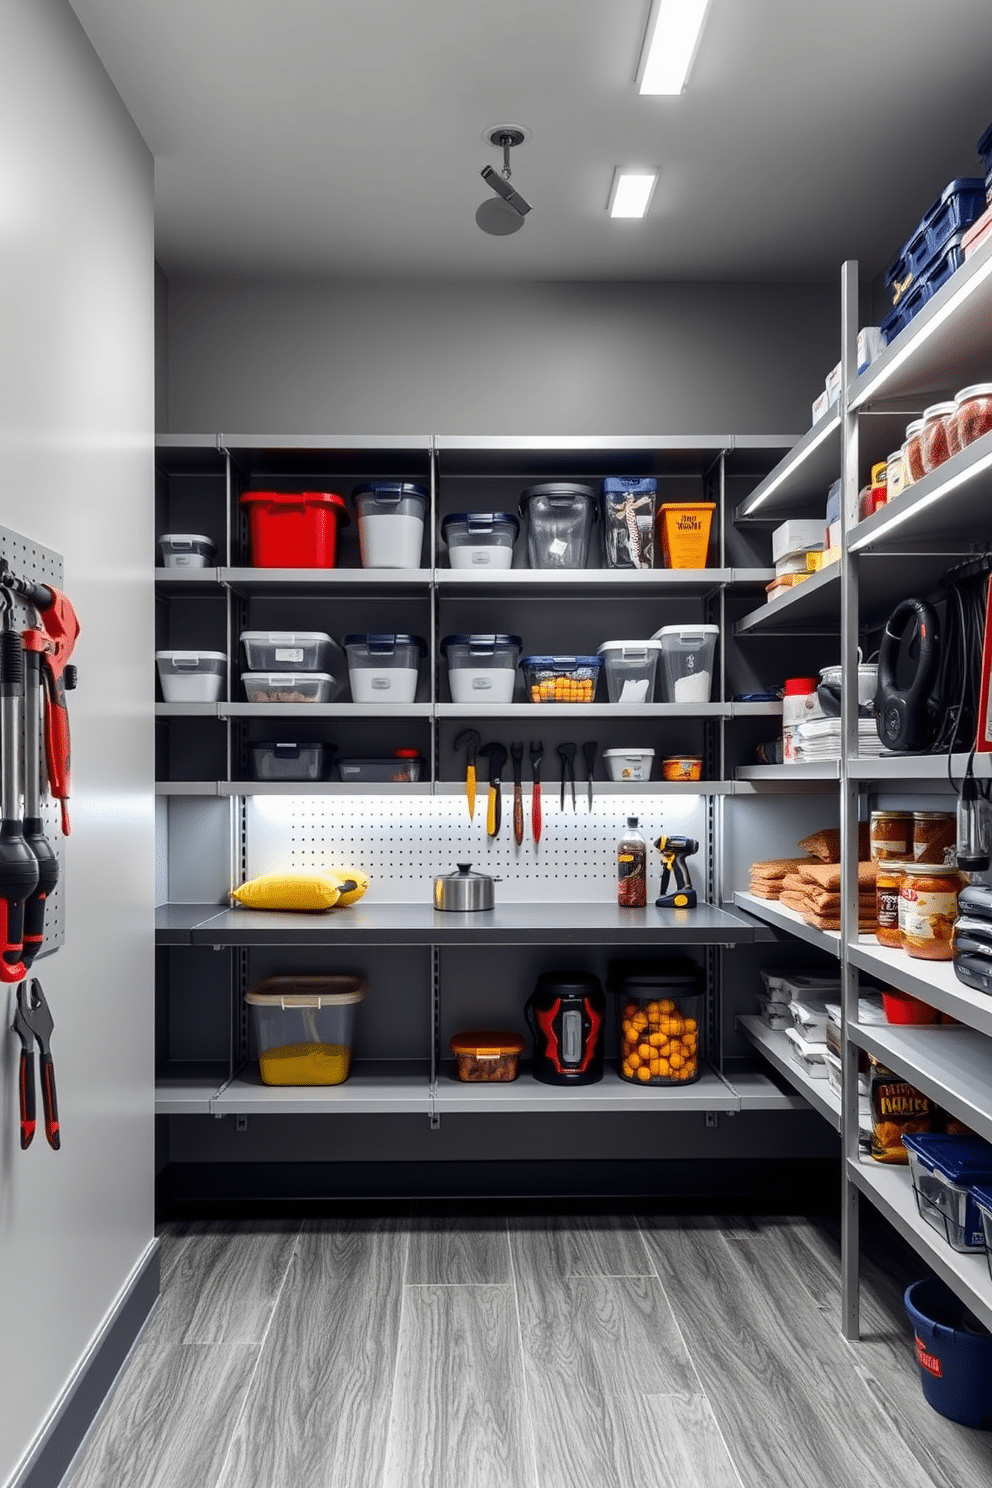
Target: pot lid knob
{"x":464,"y":867}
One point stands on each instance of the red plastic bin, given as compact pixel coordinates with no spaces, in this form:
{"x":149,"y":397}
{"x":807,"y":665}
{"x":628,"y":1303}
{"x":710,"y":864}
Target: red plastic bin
{"x":294,"y":529}
{"x":900,"y":1007}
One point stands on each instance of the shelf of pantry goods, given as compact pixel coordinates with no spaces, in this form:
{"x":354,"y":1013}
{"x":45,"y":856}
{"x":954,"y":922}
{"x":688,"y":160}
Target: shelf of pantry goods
{"x":889,"y":1188}
{"x":952,"y":1065}
{"x":943,"y":508}
{"x":771,"y":912}
{"x":421,"y":924}
{"x":932,"y":982}
{"x":775,"y":1047}
{"x":814,"y":605}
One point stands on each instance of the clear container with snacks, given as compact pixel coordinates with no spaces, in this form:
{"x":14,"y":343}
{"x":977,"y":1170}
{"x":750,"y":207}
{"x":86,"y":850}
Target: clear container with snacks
{"x":630,"y":668}
{"x":302,"y":1027}
{"x":660,"y":1026}
{"x":560,"y":516}
{"x":928,"y":906}
{"x":481,"y":668}
{"x":480,"y":539}
{"x":974,"y":412}
{"x":687,"y":655}
{"x":289,"y":687}
{"x":484,"y":1056}
{"x":912,"y":453}
{"x":939,"y":435}
{"x":628,"y":520}
{"x":384,"y":668}
{"x":561,"y":679}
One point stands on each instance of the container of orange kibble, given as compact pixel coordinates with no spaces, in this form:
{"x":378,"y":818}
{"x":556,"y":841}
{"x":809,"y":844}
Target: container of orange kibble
{"x":561,"y":679}
{"x":659,"y":1032}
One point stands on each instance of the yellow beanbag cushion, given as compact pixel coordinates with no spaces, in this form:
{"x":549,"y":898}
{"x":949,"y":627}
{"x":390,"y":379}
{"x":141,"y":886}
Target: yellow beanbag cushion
{"x":306,"y":891}
{"x":343,"y":876}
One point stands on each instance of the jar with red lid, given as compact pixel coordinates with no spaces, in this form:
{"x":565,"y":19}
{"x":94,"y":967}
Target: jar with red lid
{"x":799,"y":704}
{"x":974,"y":412}
{"x":912,"y":453}
{"x":935,"y":436}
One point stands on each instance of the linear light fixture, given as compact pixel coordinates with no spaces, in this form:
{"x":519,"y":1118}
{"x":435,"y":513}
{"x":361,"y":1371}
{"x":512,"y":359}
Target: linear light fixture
{"x":674,"y":29}
{"x":757,"y":498}
{"x":631,"y":192}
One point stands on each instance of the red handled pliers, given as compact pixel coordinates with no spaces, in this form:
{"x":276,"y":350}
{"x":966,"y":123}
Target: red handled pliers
{"x":33,"y":1020}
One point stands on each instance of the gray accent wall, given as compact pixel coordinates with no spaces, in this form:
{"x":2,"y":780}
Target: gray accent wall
{"x":497,"y":359}
{"x":76,"y":433}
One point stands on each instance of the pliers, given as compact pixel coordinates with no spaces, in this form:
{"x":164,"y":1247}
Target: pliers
{"x":566,"y":753}
{"x":33,"y":1020}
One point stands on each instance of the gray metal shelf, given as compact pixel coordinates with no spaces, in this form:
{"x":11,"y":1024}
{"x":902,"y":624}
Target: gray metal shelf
{"x":931,"y":981}
{"x":775,"y":1047}
{"x":888,"y":1187}
{"x":640,"y":583}
{"x":187,"y":1088}
{"x":551,"y":711}
{"x":803,"y":477}
{"x":952,"y":1065}
{"x":931,"y":768}
{"x":390,"y":1087}
{"x":528,"y":1096}
{"x":331,"y":581}
{"x":941,"y":507}
{"x":288,"y":711}
{"x":798,"y":775}
{"x":813,"y":605}
{"x":780,"y":918}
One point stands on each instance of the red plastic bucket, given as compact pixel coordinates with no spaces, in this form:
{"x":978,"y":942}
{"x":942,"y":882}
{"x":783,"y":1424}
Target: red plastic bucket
{"x":294,"y":529}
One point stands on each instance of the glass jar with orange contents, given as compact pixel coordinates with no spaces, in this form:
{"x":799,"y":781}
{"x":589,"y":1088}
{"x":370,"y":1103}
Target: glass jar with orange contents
{"x":660,"y":1029}
{"x":928,"y":906}
{"x":887,"y":885}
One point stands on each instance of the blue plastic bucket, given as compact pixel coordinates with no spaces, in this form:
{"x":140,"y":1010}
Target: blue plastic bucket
{"x":955,"y":1363}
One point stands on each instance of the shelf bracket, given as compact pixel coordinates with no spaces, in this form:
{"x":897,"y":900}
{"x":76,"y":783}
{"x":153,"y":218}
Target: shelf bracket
{"x":241,"y":1122}
{"x":712,"y":1118}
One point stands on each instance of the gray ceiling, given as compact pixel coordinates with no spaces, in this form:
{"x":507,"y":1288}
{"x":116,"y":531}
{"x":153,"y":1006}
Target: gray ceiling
{"x":343,"y":138}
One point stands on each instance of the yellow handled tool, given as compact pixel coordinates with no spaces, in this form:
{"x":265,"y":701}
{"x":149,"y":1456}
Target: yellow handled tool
{"x":497,"y":757}
{"x":469,"y":738}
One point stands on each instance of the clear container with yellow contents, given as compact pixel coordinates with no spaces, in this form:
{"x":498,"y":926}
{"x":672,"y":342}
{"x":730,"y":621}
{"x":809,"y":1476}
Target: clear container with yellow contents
{"x":302,"y":1027}
{"x":659,"y":1030}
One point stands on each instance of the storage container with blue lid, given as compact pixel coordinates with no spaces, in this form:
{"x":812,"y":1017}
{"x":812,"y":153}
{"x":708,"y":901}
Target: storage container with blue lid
{"x":628,"y":520}
{"x":390,"y":523}
{"x":480,"y":539}
{"x":944,"y":1169}
{"x":981,"y":1197}
{"x":384,"y":668}
{"x":481,"y":668}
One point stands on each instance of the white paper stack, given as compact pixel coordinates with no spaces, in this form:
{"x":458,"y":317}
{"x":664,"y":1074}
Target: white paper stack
{"x":820,"y":739}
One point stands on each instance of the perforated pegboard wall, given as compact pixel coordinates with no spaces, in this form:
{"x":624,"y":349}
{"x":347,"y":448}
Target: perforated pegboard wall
{"x":403,"y":844}
{"x":30,"y":560}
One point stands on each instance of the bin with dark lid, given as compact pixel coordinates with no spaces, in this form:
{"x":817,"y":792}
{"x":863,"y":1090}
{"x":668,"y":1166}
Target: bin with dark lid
{"x":565,"y":1013}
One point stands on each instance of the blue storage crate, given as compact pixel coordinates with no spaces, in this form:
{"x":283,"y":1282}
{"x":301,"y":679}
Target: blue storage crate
{"x":961,"y":203}
{"x":944,"y":1169}
{"x":950,"y":258}
{"x":894,"y":322}
{"x":955,"y":1359}
{"x":985,"y":149}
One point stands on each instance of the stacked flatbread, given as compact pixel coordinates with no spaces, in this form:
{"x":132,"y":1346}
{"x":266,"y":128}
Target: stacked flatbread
{"x":813,"y":891}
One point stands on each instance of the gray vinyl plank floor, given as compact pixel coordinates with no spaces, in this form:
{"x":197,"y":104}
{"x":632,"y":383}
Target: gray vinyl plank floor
{"x":435,"y":1348}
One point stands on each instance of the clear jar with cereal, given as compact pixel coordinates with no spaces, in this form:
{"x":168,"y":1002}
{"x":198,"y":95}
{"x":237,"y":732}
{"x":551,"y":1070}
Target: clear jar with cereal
{"x":928,"y":906}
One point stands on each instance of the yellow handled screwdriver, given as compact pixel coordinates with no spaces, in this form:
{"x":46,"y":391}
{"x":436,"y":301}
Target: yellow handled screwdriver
{"x":469,"y":739}
{"x":497,"y":757}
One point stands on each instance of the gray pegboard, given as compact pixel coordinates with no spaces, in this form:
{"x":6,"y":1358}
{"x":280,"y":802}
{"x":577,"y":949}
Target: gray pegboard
{"x":30,"y":560}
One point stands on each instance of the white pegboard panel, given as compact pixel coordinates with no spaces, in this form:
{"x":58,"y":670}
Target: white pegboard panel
{"x":30,"y":560}
{"x":403,"y":844}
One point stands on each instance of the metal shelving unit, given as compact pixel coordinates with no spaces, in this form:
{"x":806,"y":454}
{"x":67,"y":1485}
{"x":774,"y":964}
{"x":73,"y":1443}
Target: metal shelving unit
{"x":775,"y":1047}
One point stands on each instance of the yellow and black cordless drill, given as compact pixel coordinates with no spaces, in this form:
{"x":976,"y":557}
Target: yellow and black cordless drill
{"x":674,"y":851}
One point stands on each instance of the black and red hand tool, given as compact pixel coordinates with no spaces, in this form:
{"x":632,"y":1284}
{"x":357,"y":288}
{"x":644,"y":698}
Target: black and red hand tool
{"x":18,"y":864}
{"x":33,"y":1020}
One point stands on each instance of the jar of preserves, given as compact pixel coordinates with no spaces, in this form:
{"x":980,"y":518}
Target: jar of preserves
{"x":935,"y":437}
{"x":891,"y":835}
{"x":887,"y":885}
{"x":912,"y":453}
{"x":894,"y":475}
{"x":974,"y":412}
{"x":928,"y":907}
{"x":935,"y":836}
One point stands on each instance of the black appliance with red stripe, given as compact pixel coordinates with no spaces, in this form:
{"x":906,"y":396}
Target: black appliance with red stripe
{"x":566,"y":1012}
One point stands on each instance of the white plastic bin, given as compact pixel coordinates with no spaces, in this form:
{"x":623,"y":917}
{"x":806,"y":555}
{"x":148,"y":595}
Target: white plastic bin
{"x":481,"y":668}
{"x":630,"y":668}
{"x":687,"y":653}
{"x":186,"y":550}
{"x":289,"y":650}
{"x":390,"y":523}
{"x":384,"y":668}
{"x":191,"y":676}
{"x":628,"y":764}
{"x":480,"y":539}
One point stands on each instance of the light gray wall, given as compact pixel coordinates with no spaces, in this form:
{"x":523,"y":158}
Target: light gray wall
{"x":567,"y":358}
{"x":76,"y":393}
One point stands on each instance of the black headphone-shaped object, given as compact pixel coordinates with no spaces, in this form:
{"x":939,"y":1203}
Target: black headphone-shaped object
{"x":905,"y":716}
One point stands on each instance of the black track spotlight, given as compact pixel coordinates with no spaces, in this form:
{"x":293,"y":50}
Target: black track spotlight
{"x":506,"y":214}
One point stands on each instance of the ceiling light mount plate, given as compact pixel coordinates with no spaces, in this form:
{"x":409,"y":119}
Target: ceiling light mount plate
{"x":510,"y":134}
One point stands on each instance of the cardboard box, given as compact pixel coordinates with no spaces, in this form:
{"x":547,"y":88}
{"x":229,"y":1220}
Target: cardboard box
{"x":801,"y":535}
{"x":820,"y":406}
{"x":833,"y":385}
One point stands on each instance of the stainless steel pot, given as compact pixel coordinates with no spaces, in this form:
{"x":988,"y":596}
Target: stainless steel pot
{"x":464,"y":890}
{"x":829,"y":691}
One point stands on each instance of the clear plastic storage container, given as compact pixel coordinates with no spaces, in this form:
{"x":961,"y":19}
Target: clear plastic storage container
{"x":277,"y":761}
{"x":298,"y":650}
{"x":403,"y":768}
{"x":659,"y":1029}
{"x":302,"y":1027}
{"x":481,"y":668}
{"x":628,"y":520}
{"x":687,"y":653}
{"x":191,"y":676}
{"x":561,"y":679}
{"x":289,"y":687}
{"x":480,"y":539}
{"x":186,"y":550}
{"x":390,"y":523}
{"x":486,"y":1057}
{"x":384,"y":668}
{"x":944,"y":1168}
{"x":559,"y":524}
{"x":630,"y":668}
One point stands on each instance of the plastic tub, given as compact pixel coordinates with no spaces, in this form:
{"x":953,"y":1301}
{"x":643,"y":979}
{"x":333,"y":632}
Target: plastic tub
{"x":480,"y":539}
{"x":981,"y":1196}
{"x":628,"y":520}
{"x":559,"y":516}
{"x":684,"y":531}
{"x":402,"y":768}
{"x":900,"y":1007}
{"x":659,"y":1022}
{"x":303,"y":1027}
{"x":630,"y":668}
{"x":289,"y":687}
{"x":774,"y":1014}
{"x":277,"y":761}
{"x":954,"y":1353}
{"x":687,"y":653}
{"x":384,"y":668}
{"x":486,"y":1057}
{"x":682,"y":767}
{"x":185,"y":550}
{"x":943,"y":1170}
{"x":628,"y":764}
{"x":974,"y":412}
{"x":191,"y":676}
{"x":298,"y":650}
{"x":561,"y":679}
{"x":390,"y":523}
{"x":481,"y":668}
{"x":294,"y":529}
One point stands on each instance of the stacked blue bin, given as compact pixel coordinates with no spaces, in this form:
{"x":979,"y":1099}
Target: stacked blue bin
{"x":933,"y":252}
